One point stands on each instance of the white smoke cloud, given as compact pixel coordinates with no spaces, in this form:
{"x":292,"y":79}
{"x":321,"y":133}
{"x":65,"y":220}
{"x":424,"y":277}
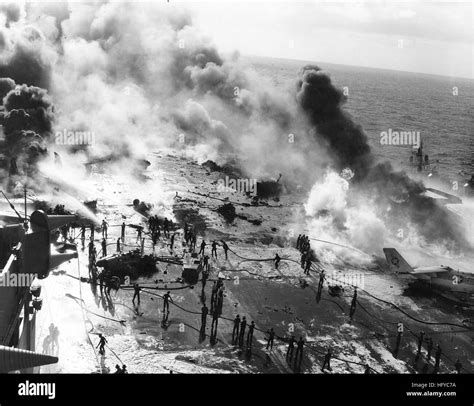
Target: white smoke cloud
{"x":330,"y":194}
{"x":335,"y":215}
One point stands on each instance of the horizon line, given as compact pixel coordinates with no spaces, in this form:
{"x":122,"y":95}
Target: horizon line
{"x":470,"y":78}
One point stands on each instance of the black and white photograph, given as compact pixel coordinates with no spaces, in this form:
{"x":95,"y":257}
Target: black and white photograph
{"x":233,"y":188}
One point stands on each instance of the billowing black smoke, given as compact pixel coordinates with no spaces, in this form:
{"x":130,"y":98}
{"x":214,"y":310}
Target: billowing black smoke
{"x":24,"y":61}
{"x":26,"y":120}
{"x":322,"y":103}
{"x":35,"y":102}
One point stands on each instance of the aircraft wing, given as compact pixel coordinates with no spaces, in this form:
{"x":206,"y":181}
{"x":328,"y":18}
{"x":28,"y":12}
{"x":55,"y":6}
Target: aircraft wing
{"x":430,"y":269}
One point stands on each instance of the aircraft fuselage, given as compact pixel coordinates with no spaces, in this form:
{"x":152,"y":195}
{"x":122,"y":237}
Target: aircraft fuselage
{"x":452,"y":284}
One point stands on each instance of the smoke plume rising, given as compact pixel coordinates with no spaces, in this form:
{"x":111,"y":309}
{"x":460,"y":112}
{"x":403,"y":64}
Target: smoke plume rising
{"x":396,"y":191}
{"x":143,"y":78}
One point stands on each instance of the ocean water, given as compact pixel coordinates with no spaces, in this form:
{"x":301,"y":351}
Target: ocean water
{"x":380,"y":100}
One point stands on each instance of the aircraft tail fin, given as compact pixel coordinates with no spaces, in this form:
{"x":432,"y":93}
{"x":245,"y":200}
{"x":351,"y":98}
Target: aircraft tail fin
{"x":396,"y":262}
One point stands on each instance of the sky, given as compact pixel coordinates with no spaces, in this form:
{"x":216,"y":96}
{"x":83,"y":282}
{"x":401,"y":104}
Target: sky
{"x":417,"y":36}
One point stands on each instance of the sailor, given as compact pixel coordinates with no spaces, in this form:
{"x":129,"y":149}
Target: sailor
{"x":298,"y":240}
{"x":187,"y":233}
{"x":322,"y":277}
{"x":154,"y":239}
{"x":104,"y":229}
{"x":302,"y":242}
{"x":430,"y":348}
{"x":205,"y":276}
{"x":271,"y":337}
{"x":46,"y":344}
{"x":235,"y":331}
{"x":204,"y":312}
{"x":327,"y":360}
{"x":214,"y":249}
{"x":118,"y":244}
{"x":437,"y":357}
{"x":303,"y":259}
{"x":123,"y":231}
{"x":172,"y":242}
{"x":54,"y":334}
{"x":277,"y":260}
{"x":185,"y":230}
{"x":308,"y":265}
{"x":367,"y":369}
{"x":291,"y":347}
{"x":226,"y":248}
{"x":92,"y":233}
{"x":458,"y":366}
{"x":215,"y":320}
{"x":166,"y":230}
{"x":102,"y":281}
{"x":101,"y":345}
{"x":320,"y":286}
{"x":203,"y":247}
{"x":83,"y":233}
{"x":51,"y":330}
{"x":250,"y":334}
{"x":83,"y":241}
{"x":243,"y":325}
{"x":136,"y":295}
{"x":118,"y":370}
{"x":213,"y":297}
{"x":166,"y":302}
{"x":420,"y":343}
{"x":104,"y":248}
{"x":124,"y":369}
{"x":354,"y":305}
{"x":220,"y":301}
{"x":139,"y":233}
{"x":92,"y":251}
{"x":299,"y":351}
